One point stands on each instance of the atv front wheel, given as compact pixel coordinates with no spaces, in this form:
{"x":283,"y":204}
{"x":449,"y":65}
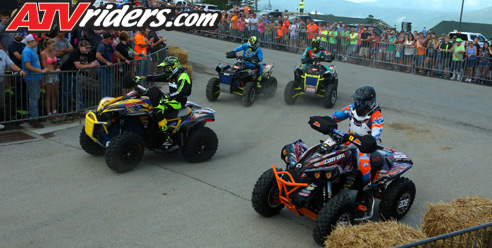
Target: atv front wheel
{"x":397,"y":199}
{"x":88,"y":145}
{"x":124,"y":152}
{"x":200,"y":146}
{"x":270,"y":87}
{"x":289,"y":94}
{"x":213,"y":89}
{"x":249,"y":94}
{"x":265,"y":197}
{"x":330,"y":96}
{"x":338,"y":211}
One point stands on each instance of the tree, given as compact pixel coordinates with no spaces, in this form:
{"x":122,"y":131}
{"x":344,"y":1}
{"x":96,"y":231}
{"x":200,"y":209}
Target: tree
{"x":371,"y":20}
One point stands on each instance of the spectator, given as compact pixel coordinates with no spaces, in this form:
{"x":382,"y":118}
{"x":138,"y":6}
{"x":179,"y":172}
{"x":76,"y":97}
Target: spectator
{"x":340,"y":27}
{"x":159,"y":41}
{"x":50,"y":80}
{"x":105,"y":74}
{"x":301,"y":7}
{"x":240,"y":26}
{"x":344,"y":38}
{"x":364,"y":50}
{"x":124,"y":47}
{"x":391,"y":49}
{"x":374,"y":43}
{"x":294,"y":34}
{"x":424,"y":32}
{"x":15,"y":54}
{"x":353,"y":37}
{"x":234,"y":29}
{"x":5,"y":38}
{"x":15,"y":49}
{"x":5,"y":61}
{"x":270,"y":30}
{"x":432,"y":51}
{"x":332,"y":40}
{"x":253,"y":25}
{"x":63,"y":47}
{"x":446,"y":54}
{"x":312,"y":29}
{"x":471,"y":60}
{"x":31,"y":65}
{"x":323,"y":34}
{"x":457,"y":62}
{"x":409,"y":51}
{"x":79,"y":59}
{"x":382,"y":49}
{"x":261,"y":29}
{"x":421,"y":44}
{"x":485,"y":57}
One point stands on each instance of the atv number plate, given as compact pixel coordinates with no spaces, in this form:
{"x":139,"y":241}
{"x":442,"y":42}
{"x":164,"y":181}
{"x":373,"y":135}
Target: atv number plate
{"x":310,"y":89}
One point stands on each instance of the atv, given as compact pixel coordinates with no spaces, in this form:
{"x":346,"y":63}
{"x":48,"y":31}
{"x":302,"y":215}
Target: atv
{"x":323,"y":183}
{"x":241,"y":80}
{"x":121,"y":127}
{"x":315,"y":79}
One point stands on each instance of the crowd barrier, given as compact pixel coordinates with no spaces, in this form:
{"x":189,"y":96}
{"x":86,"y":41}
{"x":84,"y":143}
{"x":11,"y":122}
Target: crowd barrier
{"x":398,"y":57}
{"x":68,"y":92}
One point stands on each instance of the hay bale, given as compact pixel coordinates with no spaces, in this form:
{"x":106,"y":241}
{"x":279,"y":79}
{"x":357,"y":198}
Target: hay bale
{"x":172,"y":48}
{"x":189,"y":69}
{"x":181,"y":54}
{"x":373,"y":234}
{"x":465,"y":212}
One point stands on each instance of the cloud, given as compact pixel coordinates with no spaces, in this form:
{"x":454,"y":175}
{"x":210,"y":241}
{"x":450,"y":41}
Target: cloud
{"x":362,"y":1}
{"x":400,"y":19}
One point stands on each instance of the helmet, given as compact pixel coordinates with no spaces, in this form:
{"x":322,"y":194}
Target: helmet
{"x":170,"y":66}
{"x":155,"y":95}
{"x":315,"y":44}
{"x":253,"y":43}
{"x":364,"y":100}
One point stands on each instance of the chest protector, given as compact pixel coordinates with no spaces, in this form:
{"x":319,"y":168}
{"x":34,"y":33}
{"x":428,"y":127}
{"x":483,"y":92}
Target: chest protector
{"x":359,"y":125}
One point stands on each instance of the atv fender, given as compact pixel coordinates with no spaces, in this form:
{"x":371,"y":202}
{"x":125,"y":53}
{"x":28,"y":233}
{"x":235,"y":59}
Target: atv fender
{"x":221,"y":68}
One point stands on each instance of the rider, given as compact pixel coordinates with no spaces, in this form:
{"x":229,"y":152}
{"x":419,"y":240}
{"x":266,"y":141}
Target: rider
{"x":179,"y":90}
{"x":252,"y":51}
{"x":315,"y":51}
{"x":365,"y":127}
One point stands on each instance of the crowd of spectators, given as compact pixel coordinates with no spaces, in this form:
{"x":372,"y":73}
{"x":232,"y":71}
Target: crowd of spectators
{"x":423,"y":52}
{"x":49,"y":66}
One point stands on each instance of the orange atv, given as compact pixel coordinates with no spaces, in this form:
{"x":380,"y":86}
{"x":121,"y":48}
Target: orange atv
{"x":323,"y":183}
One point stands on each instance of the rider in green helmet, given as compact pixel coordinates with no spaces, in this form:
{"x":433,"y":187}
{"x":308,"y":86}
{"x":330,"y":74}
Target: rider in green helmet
{"x":179,"y":90}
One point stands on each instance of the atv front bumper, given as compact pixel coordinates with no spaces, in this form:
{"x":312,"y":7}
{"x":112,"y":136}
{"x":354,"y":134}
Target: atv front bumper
{"x":288,"y":187}
{"x":90,"y":125}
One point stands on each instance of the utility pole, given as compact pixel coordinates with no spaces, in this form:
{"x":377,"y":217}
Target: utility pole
{"x":461,"y":15}
{"x":256,"y":5}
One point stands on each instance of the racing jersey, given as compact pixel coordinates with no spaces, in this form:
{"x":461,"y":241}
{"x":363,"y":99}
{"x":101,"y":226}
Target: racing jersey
{"x":372,"y":124}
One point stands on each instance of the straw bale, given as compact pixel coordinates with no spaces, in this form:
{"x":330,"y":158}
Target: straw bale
{"x":181,"y":54}
{"x":373,"y":234}
{"x":172,"y":48}
{"x":189,"y":69}
{"x":465,"y":212}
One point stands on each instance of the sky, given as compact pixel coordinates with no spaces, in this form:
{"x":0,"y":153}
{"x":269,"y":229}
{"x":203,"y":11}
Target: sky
{"x":441,"y":5}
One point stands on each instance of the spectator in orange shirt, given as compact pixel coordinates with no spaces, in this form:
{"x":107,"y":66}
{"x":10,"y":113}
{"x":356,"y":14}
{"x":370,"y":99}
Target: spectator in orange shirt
{"x":246,"y":9}
{"x":233,"y":21}
{"x":312,"y":29}
{"x":142,"y":44}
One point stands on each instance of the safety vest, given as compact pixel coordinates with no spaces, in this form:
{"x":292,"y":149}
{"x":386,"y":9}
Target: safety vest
{"x":302,"y":5}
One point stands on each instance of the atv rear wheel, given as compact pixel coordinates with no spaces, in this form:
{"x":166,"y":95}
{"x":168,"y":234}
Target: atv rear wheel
{"x":200,"y":146}
{"x":270,"y":87}
{"x":289,"y":94}
{"x":213,"y":89}
{"x":249,"y":94}
{"x":265,"y":197}
{"x":124,"y":152}
{"x":330,"y":96}
{"x":88,"y":145}
{"x":397,"y":199}
{"x":339,"y":210}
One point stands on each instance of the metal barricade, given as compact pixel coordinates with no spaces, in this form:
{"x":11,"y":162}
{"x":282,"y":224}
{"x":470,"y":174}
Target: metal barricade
{"x":475,"y":237}
{"x":427,"y":61}
{"x":52,"y":94}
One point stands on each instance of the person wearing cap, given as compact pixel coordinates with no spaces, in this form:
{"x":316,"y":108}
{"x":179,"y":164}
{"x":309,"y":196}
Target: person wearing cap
{"x":32,"y":66}
{"x":104,"y":55}
{"x":456,"y":65}
{"x":79,"y":59}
